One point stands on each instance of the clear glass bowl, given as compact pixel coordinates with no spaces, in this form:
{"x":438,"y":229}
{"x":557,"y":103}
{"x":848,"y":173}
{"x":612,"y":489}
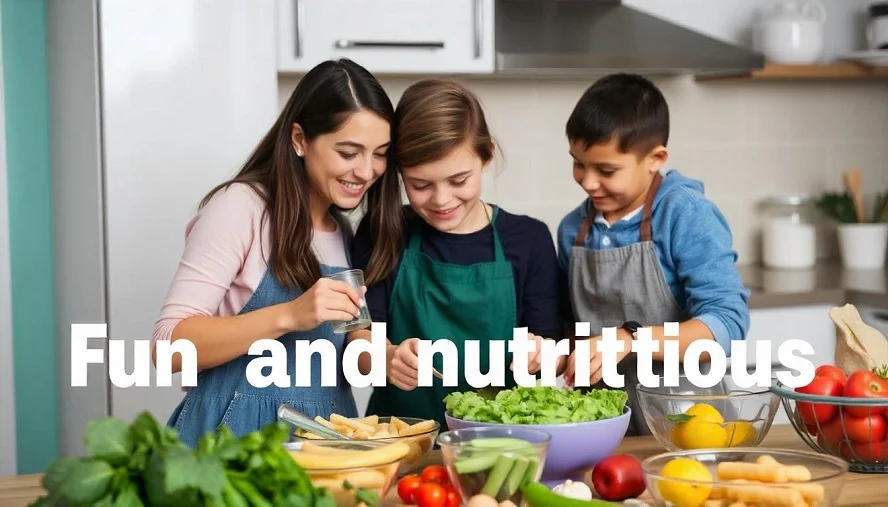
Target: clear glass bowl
{"x":819,"y":484}
{"x":728,"y":416}
{"x":824,"y":424}
{"x":378,"y":477}
{"x":494,"y":461}
{"x":420,"y":442}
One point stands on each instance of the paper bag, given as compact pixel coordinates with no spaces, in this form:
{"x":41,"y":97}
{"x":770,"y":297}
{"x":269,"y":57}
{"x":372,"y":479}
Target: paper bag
{"x":858,"y":345}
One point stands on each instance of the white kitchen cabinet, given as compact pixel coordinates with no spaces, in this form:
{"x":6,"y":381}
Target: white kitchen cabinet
{"x":778,"y":325}
{"x":387,"y":36}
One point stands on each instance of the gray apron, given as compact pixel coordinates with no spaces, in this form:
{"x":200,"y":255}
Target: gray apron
{"x":609,"y":287}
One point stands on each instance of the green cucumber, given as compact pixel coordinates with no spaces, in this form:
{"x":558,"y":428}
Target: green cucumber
{"x":516,"y":475}
{"x":497,"y":476}
{"x":499,"y":442}
{"x":530,"y":474}
{"x":536,"y":494}
{"x":475,"y":464}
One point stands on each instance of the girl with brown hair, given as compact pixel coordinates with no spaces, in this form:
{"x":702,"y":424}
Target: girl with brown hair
{"x":261,"y":243}
{"x":470,"y":270}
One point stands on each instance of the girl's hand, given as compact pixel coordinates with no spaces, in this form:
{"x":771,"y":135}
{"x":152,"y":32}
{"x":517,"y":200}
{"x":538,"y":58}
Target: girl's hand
{"x":325,"y":301}
{"x":403,"y":371}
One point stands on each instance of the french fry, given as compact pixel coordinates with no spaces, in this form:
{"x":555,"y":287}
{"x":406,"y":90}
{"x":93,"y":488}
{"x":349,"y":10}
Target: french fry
{"x":717,"y":502}
{"x":397,"y":425}
{"x":418,"y":428}
{"x":352,"y":423}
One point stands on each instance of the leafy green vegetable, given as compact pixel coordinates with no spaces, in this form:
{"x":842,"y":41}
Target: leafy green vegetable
{"x":537,"y":405}
{"x":839,"y":206}
{"x":146,"y":465}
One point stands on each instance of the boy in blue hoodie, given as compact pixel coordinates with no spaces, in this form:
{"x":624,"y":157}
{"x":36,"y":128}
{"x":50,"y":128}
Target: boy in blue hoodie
{"x":646,"y":247}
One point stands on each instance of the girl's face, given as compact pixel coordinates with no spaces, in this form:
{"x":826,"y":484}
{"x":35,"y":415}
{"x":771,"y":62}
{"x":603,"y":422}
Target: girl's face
{"x":446,"y":193}
{"x":342,"y":165}
{"x":616,"y":182}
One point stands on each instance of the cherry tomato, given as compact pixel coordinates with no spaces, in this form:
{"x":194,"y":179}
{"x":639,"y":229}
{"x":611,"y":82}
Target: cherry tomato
{"x":436,"y":474}
{"x":430,"y":494}
{"x":453,"y":499}
{"x":407,"y":486}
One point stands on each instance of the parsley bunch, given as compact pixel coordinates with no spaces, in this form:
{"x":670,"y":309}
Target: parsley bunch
{"x":146,"y":465}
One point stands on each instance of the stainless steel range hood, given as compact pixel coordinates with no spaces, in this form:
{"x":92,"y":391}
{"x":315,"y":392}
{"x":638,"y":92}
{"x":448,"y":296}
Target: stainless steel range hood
{"x":564,"y":37}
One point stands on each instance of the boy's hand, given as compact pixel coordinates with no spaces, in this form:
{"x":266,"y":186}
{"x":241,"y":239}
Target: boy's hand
{"x":595,"y":370}
{"x":535,"y":356}
{"x":403,"y":371}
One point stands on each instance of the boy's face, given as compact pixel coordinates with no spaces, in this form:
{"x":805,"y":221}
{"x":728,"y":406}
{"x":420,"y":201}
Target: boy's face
{"x":616,"y":182}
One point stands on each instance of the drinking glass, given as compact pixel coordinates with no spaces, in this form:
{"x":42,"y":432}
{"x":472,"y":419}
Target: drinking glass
{"x":355,"y":278}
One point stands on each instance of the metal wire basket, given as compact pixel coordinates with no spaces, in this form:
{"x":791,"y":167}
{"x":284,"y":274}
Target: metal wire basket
{"x":826,"y":426}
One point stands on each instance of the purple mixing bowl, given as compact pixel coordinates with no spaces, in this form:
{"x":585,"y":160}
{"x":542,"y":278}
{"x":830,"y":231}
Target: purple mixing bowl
{"x":575,"y":447}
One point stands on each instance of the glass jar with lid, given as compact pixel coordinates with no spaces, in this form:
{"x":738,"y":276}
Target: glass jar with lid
{"x":789,"y":234}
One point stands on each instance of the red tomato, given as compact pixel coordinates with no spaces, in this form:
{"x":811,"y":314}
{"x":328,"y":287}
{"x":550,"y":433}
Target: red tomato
{"x":813,"y":413}
{"x":832,"y":435}
{"x":865,"y":384}
{"x":436,"y":474}
{"x":828,"y":370}
{"x":453,"y":499}
{"x":868,"y":452}
{"x":407,"y":486}
{"x":865,"y":429}
{"x":430,"y":494}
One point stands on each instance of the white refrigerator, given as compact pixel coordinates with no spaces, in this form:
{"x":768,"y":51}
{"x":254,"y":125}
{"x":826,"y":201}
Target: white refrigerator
{"x":153,"y":102}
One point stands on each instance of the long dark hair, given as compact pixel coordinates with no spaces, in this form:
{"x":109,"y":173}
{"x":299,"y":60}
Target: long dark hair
{"x":322,"y":102}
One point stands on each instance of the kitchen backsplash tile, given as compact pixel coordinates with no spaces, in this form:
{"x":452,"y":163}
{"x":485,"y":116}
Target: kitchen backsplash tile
{"x":745,"y":140}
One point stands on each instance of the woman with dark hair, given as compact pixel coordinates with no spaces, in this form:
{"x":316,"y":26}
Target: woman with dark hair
{"x":257,"y":252}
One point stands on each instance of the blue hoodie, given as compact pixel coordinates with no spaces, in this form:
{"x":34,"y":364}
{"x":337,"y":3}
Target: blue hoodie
{"x":695,"y":248}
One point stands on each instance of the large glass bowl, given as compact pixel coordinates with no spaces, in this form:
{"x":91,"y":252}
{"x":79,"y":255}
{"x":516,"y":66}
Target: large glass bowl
{"x":344,"y":476}
{"x":420,"y":442}
{"x":494,"y":461}
{"x":825,"y":424}
{"x":722,"y":416}
{"x":740,"y":475}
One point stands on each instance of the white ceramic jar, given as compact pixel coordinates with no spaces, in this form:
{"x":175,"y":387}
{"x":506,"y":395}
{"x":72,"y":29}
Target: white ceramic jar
{"x":792,"y":33}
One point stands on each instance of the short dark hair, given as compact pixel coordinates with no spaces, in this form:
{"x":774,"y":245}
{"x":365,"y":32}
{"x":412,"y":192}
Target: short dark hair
{"x":627,"y":108}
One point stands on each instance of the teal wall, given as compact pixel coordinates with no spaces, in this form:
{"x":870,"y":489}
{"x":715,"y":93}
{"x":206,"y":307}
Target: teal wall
{"x":26,"y":100}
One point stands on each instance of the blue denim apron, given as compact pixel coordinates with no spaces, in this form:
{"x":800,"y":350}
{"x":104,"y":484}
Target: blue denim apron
{"x":223,"y":396}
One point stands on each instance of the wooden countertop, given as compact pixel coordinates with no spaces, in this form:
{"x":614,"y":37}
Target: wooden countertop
{"x":860,"y":490}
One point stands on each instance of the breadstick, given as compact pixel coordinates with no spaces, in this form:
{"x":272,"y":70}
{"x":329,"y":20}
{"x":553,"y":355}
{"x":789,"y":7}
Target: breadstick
{"x":794,"y":473}
{"x":717,"y":493}
{"x":782,"y":497}
{"x":727,"y":470}
{"x":767,"y":459}
{"x":813,"y":493}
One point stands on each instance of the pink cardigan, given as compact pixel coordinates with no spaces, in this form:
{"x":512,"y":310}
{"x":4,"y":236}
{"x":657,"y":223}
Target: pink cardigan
{"x":225,"y":258}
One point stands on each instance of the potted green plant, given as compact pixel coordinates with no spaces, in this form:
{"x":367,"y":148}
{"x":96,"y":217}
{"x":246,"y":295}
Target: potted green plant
{"x":863,"y":237}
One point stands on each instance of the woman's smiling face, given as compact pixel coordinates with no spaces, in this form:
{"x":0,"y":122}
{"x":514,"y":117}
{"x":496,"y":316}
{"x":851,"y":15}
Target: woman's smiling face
{"x":342,"y":165}
{"x":446,"y":192}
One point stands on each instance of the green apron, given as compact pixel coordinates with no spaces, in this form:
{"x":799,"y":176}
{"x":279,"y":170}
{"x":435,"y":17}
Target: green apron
{"x":437,"y":300}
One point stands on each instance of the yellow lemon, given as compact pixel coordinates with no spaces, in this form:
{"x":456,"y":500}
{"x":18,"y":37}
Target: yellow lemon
{"x":685,"y":494}
{"x":675,"y":436}
{"x":740,"y":433}
{"x":701,"y":435}
{"x":705,"y":412}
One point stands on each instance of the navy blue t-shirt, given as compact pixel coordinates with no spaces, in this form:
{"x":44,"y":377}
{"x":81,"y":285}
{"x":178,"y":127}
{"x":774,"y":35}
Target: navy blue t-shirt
{"x":527,"y":243}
